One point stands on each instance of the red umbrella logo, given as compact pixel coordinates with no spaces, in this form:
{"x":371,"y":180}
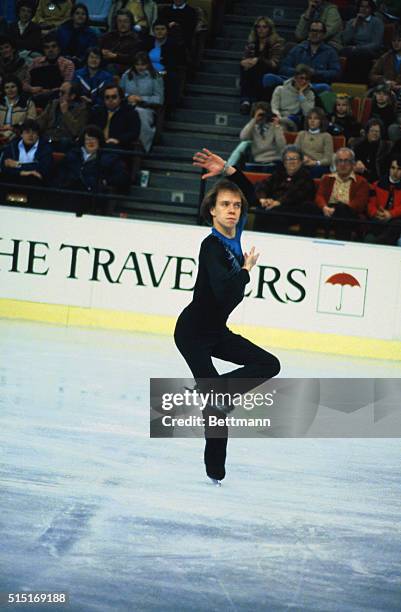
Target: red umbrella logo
{"x":342,"y":279}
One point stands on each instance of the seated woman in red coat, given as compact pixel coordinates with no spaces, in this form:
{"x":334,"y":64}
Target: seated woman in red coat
{"x":343,"y":195}
{"x":385,"y":206}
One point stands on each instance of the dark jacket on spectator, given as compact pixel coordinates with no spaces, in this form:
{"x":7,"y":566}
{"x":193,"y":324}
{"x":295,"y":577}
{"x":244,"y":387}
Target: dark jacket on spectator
{"x":42,"y":163}
{"x":325,"y":62}
{"x":385,"y":69}
{"x":99,"y":171}
{"x":63,"y":66}
{"x":74,"y":42}
{"x":124,"y":125}
{"x":30,"y":39}
{"x":186,"y":18}
{"x":125,"y":46}
{"x":289,"y":190}
{"x":348,"y":126}
{"x":16,"y":67}
{"x":373,"y":155}
{"x":386,"y":114}
{"x":57,"y":125}
{"x":172,"y":53}
{"x":269,"y":58}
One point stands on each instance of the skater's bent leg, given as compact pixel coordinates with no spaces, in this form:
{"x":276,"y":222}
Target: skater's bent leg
{"x":255,"y":361}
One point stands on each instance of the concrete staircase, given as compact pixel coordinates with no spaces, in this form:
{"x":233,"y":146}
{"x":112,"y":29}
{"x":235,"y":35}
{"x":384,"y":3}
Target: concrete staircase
{"x":208,"y":116}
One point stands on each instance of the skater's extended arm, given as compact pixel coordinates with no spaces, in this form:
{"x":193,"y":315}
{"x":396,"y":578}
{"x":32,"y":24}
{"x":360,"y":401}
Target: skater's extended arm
{"x":215,"y":165}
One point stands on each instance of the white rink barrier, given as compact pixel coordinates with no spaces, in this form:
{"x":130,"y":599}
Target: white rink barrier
{"x":148,"y":269}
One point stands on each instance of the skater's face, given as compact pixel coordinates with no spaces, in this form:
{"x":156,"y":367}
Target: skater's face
{"x":226,"y":212}
{"x":395,"y":172}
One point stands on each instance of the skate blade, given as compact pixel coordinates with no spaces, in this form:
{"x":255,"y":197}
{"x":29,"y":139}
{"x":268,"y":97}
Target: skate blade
{"x":215,"y":482}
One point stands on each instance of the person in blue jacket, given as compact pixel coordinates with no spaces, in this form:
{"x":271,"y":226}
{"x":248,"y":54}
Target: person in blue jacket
{"x":75,"y":36}
{"x":92,"y":78}
{"x":318,"y":55}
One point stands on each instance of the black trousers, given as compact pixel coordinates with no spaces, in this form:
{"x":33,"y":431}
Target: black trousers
{"x":198,"y":347}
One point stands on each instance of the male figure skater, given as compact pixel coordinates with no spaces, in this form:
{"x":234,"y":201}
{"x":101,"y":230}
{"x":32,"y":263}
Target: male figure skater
{"x":201,"y":331}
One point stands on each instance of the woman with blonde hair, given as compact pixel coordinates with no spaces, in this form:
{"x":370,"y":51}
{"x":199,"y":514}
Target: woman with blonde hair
{"x":262,"y":54}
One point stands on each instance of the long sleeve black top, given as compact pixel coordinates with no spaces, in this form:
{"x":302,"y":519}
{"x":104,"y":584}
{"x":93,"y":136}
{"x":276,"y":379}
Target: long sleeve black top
{"x":221,"y":280}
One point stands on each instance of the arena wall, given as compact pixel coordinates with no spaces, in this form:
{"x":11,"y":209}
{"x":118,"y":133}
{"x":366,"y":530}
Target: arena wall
{"x":137,"y":275}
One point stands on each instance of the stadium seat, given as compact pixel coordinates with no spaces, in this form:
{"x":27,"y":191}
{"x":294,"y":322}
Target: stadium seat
{"x":352,"y":89}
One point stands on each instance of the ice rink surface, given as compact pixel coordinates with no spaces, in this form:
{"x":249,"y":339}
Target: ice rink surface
{"x":90,"y":505}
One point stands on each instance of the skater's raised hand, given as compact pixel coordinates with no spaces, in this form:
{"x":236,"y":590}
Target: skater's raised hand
{"x":214,"y":164}
{"x":250,"y":259}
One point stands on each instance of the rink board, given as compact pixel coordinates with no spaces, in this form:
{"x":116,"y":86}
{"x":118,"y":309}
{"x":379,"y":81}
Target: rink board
{"x":138,"y":275}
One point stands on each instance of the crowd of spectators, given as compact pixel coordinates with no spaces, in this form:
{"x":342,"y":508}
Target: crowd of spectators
{"x":89,"y":81}
{"x":347,"y":142}
{"x":83,"y":86}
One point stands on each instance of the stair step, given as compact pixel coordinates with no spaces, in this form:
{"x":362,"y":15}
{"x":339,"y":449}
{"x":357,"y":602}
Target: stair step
{"x":151,"y":209}
{"x":193,"y":141}
{"x":175,"y":181}
{"x":278,"y":14}
{"x":223,"y":54}
{"x":220,"y":67}
{"x":212,"y":90}
{"x":157,"y":195}
{"x":218,"y":105}
{"x":168,"y":153}
{"x":229,"y":44}
{"x":199,"y":128}
{"x":216,"y":80}
{"x":168,"y":165}
{"x":211,"y":118}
